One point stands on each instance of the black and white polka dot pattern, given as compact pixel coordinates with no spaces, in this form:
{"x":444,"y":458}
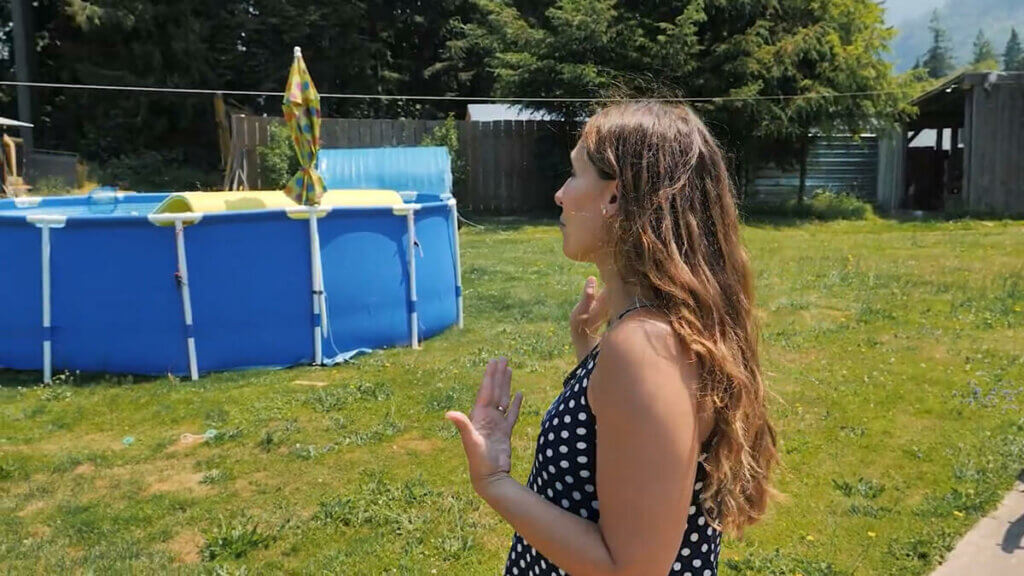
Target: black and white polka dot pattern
{"x":565,"y":473}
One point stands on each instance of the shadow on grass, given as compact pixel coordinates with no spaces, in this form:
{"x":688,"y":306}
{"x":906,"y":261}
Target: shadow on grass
{"x":1013,"y":538}
{"x":32,"y":378}
{"x":490,"y":221}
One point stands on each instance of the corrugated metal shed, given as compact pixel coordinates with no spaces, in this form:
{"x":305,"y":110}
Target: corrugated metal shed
{"x":834,"y":163}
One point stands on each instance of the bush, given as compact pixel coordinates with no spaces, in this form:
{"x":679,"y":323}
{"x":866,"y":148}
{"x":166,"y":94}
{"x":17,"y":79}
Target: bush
{"x":823,"y":205}
{"x":51,"y":186}
{"x":278,"y":160}
{"x":837,"y":206}
{"x":156,"y":171}
{"x":447,"y":135}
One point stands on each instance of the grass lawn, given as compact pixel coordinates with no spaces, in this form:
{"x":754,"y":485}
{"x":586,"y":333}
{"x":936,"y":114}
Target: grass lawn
{"x":894,"y":351}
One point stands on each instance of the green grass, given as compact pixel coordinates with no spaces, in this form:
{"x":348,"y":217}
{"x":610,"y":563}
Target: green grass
{"x":893,"y":352}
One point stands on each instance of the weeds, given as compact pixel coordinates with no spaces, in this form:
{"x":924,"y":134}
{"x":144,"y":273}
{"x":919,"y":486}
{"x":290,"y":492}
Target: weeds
{"x":234,"y":540}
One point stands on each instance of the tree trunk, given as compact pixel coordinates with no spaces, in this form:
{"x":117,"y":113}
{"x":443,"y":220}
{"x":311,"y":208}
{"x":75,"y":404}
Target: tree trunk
{"x":801,"y":191}
{"x":24,"y":67}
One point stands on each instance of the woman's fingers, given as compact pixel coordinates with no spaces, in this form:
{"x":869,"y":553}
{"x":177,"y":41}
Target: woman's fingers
{"x":486,"y":395}
{"x":589,"y":287}
{"x":503,"y":377}
{"x":589,"y":290}
{"x":463,"y":425}
{"x":513,"y":410}
{"x":599,"y":311}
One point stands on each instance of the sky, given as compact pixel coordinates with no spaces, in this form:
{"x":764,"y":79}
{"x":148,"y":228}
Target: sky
{"x":897,"y":11}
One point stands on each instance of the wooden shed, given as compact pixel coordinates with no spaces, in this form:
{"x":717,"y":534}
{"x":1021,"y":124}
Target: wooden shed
{"x":974,"y":160}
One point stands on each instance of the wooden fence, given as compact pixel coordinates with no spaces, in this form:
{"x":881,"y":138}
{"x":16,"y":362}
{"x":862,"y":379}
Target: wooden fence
{"x":504,"y":167}
{"x":516,"y":166}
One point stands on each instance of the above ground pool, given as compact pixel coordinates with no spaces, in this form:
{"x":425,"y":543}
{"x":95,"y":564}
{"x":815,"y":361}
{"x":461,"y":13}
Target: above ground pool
{"x":182,"y":284}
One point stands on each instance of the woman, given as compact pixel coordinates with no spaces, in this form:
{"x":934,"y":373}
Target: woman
{"x":660,"y":440}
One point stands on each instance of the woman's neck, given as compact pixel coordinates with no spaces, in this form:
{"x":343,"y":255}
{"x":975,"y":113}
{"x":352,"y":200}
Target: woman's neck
{"x":621,"y":296}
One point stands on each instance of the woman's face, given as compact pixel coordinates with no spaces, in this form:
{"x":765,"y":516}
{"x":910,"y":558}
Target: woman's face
{"x":583,"y":224}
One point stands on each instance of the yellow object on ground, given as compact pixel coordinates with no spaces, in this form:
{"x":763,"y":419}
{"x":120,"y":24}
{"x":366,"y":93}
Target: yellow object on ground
{"x":206,"y":202}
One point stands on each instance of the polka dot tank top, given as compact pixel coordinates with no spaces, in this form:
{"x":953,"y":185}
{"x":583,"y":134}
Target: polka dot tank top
{"x":565,"y":471}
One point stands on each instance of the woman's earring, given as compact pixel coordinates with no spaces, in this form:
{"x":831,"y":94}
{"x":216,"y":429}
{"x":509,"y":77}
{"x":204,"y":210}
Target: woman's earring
{"x":604,"y":210}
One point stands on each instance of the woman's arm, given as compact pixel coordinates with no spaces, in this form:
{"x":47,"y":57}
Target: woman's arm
{"x":642,"y":394}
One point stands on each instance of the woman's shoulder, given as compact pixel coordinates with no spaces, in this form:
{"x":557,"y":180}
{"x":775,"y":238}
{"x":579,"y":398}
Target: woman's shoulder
{"x":642,"y":355}
{"x":645,"y":335}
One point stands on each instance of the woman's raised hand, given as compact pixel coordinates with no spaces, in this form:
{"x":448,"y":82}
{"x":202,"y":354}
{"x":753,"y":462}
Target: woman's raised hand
{"x":587,"y":317}
{"x":487,"y":432}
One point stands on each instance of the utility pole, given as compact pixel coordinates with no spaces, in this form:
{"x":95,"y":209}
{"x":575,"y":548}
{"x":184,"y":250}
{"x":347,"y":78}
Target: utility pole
{"x":24,"y":59}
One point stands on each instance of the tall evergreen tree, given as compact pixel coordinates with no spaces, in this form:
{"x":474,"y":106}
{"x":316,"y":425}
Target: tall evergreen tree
{"x":1013,"y":55}
{"x":984,"y":54}
{"x":938,"y":59}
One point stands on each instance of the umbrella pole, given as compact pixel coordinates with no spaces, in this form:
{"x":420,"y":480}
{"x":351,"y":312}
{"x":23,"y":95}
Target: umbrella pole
{"x":318,"y":287}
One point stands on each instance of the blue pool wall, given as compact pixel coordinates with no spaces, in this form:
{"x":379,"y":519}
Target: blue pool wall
{"x":117,"y":306}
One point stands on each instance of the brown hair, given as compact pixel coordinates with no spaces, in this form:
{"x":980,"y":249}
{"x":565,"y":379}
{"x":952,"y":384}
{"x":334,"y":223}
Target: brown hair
{"x":677,"y":238}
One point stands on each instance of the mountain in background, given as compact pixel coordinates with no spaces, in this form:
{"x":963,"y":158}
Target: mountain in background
{"x":961,"y":18}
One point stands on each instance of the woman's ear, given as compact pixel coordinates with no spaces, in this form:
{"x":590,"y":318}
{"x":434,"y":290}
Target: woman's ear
{"x":610,"y":206}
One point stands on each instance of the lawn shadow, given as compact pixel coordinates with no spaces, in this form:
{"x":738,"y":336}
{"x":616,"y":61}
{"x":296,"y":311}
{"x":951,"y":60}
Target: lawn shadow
{"x":1013,"y":538}
{"x":507,"y":223}
{"x":33,"y":378}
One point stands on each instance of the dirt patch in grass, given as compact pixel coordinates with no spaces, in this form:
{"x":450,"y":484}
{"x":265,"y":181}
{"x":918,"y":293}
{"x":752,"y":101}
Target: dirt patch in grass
{"x":98,"y":442}
{"x":31,"y":508}
{"x":182,"y":481}
{"x":417,"y":444}
{"x":184,"y":442}
{"x":39,"y":531}
{"x":83,"y":468}
{"x":157,"y":476}
{"x":186,"y":547}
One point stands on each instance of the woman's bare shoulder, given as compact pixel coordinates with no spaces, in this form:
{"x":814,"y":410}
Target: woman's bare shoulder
{"x":642,"y":354}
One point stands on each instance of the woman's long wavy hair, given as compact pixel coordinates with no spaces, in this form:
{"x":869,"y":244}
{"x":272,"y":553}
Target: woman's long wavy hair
{"x":677,"y":239}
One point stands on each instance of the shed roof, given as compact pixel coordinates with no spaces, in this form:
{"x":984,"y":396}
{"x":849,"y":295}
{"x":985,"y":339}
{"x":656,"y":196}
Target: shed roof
{"x":943,"y":106}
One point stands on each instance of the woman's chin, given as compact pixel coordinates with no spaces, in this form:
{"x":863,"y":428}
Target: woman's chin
{"x":571,"y":253}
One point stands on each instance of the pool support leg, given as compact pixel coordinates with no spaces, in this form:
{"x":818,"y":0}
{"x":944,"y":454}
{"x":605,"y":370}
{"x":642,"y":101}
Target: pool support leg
{"x":414,"y":322}
{"x":186,"y":299}
{"x":44,"y":222}
{"x":47,"y":329}
{"x":458,"y":259}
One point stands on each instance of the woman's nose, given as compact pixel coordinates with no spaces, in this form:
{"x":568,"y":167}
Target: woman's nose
{"x":558,"y":196}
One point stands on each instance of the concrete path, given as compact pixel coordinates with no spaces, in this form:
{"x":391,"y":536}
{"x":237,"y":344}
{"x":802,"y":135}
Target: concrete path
{"x":995,"y":546}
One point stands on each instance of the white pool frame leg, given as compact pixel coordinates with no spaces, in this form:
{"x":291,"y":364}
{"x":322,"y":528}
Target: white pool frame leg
{"x":47,"y":328}
{"x":414,"y":321}
{"x":179,"y":220}
{"x":44,"y":222}
{"x":458,"y":259}
{"x":186,"y":299}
